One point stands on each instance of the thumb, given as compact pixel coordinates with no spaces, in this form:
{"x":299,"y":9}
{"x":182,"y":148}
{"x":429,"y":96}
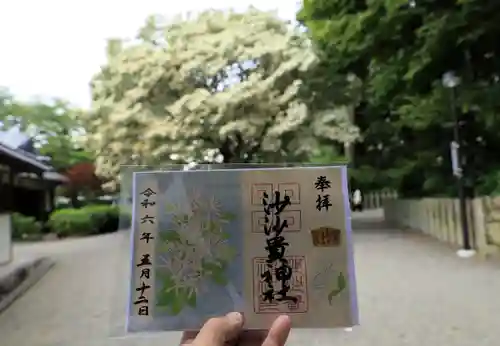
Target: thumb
{"x":217,"y":331}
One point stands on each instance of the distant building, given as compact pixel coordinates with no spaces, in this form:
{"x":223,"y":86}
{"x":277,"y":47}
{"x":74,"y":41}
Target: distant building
{"x":27,"y":180}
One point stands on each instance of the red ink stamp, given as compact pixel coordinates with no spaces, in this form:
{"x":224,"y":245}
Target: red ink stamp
{"x":291,"y":190}
{"x":292,"y":217}
{"x":298,"y":287}
{"x":258,"y":191}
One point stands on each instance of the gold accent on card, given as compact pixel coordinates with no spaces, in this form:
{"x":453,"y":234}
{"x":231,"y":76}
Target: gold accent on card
{"x":325,"y":237}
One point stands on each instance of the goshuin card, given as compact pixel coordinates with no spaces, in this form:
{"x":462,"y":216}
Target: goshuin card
{"x":260,"y":241}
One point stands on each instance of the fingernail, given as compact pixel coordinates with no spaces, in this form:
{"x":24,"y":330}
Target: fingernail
{"x":285,"y":319}
{"x":235,"y":317}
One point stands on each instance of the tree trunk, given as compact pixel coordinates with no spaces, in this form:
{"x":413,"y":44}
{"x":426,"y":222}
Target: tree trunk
{"x":75,"y":203}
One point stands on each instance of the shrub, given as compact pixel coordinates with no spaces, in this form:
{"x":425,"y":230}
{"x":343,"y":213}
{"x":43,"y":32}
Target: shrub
{"x":100,"y":201}
{"x":25,"y":227}
{"x":125,"y":219}
{"x":105,"y":218}
{"x":66,"y":222}
{"x":92,"y":219}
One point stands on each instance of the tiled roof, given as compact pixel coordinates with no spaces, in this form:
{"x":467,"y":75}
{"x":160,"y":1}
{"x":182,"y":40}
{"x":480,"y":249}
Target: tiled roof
{"x":14,"y":138}
{"x":13,"y":142}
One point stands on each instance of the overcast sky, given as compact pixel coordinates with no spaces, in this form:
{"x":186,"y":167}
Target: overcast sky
{"x":51,"y":48}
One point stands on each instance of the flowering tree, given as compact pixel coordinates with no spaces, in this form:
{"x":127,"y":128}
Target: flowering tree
{"x":221,"y":86}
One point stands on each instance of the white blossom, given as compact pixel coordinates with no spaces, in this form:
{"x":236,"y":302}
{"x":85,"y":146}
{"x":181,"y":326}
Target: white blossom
{"x":192,"y":84}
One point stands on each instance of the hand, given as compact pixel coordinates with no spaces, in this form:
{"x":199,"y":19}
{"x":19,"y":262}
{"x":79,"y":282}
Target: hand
{"x":228,"y":330}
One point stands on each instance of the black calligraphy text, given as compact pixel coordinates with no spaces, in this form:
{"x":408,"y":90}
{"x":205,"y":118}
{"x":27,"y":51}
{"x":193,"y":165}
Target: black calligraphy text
{"x":145,"y":263}
{"x":323,"y":200}
{"x":276,"y":245}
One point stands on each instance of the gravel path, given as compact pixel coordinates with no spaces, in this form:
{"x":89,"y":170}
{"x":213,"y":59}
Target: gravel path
{"x":412,"y":291}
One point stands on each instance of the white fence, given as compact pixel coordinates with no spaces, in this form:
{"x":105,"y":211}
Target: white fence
{"x":440,"y":218}
{"x":376,"y":199}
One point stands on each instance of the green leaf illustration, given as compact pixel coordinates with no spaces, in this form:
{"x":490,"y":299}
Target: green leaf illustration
{"x":341,"y":282}
{"x":170,"y":236}
{"x":209,"y":267}
{"x":227,"y":254}
{"x":167,"y":294}
{"x":165,"y":298}
{"x":175,"y":299}
{"x":181,"y":219}
{"x":167,"y":280}
{"x":219,"y":278}
{"x":170,"y":208}
{"x":227,"y":217}
{"x":177,"y":293}
{"x":177,"y":305}
{"x":212,"y":226}
{"x":191,"y":297}
{"x":216,"y":271}
{"x":341,"y":285}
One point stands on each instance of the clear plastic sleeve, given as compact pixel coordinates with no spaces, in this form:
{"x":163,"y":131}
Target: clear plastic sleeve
{"x":197,"y":242}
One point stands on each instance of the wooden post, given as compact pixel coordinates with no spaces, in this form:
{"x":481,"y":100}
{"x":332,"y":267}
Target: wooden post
{"x":9,"y":191}
{"x":51,"y":198}
{"x":42,"y":208}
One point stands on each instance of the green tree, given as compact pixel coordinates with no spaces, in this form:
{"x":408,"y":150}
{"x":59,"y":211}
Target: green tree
{"x":400,"y":50}
{"x":55,"y":127}
{"x":221,"y":86}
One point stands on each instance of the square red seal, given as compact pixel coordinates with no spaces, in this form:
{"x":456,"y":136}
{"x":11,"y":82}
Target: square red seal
{"x":298,"y":287}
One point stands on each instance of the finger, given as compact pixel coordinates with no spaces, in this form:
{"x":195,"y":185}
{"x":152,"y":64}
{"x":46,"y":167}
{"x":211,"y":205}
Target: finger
{"x":279,"y":331}
{"x":188,"y":337}
{"x":251,"y":337}
{"x":219,"y":330}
